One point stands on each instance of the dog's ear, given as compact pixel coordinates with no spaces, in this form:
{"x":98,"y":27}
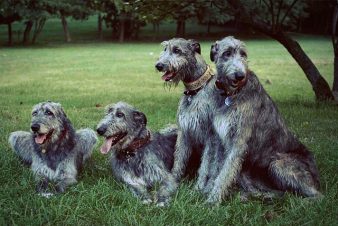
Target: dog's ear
{"x":213,"y":51}
{"x":140,"y":118}
{"x":195,"y":46}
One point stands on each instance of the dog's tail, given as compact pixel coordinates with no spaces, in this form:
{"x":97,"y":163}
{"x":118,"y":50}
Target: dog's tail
{"x":86,"y":141}
{"x":169,"y":130}
{"x":22,"y":145}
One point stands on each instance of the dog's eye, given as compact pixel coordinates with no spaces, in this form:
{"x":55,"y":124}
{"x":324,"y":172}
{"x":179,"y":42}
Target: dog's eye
{"x":227,"y":53}
{"x":243,"y":53}
{"x":34,"y":113}
{"x":110,"y":110}
{"x":49,"y":113}
{"x":176,"y":50}
{"x":119,"y":114}
{"x":165,"y":48}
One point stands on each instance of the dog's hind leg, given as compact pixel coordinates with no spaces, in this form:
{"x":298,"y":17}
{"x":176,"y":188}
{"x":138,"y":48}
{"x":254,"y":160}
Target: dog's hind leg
{"x":22,"y":145}
{"x":293,"y":172}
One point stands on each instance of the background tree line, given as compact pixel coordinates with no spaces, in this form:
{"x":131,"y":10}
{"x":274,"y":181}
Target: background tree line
{"x":273,"y":18}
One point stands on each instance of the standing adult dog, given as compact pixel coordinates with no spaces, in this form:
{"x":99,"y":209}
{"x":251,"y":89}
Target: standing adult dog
{"x":255,"y":137}
{"x":140,"y":158}
{"x":181,"y":60}
{"x":54,"y":150}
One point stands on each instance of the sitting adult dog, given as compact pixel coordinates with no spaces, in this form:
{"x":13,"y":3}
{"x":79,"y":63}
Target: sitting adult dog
{"x":141,"y":159}
{"x":181,"y":60}
{"x":54,"y":150}
{"x":256,"y":140}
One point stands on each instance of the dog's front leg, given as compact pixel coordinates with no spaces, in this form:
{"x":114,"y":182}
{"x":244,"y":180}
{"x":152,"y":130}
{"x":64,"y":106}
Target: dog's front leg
{"x":234,"y":133}
{"x":65,"y":175}
{"x":139,"y":190}
{"x":167,"y":187}
{"x":181,"y":155}
{"x":204,"y":168}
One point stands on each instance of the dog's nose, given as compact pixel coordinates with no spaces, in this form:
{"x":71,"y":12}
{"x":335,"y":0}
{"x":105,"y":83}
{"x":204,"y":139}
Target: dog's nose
{"x":159,"y":66}
{"x":35,"y":127}
{"x":239,"y":76}
{"x":101,"y":130}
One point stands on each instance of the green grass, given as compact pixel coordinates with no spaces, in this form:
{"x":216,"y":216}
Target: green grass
{"x":85,"y":77}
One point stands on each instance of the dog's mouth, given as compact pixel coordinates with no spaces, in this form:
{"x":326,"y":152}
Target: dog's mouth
{"x":168,"y":75}
{"x":41,"y":138}
{"x":111,"y":141}
{"x":230,"y":87}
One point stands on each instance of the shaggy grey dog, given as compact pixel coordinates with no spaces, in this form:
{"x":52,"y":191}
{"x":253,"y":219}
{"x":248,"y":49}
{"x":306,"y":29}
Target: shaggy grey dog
{"x":140,"y":159}
{"x":257,"y":142}
{"x":54,"y":150}
{"x":181,"y":60}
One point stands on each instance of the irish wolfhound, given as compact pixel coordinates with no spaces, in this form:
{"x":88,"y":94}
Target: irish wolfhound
{"x":256,"y":139}
{"x":53,"y":149}
{"x":181,"y":60}
{"x":141,"y":159}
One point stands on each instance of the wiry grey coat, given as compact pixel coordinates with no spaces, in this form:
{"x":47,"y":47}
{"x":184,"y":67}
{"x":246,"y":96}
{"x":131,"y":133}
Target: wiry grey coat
{"x":63,"y":152}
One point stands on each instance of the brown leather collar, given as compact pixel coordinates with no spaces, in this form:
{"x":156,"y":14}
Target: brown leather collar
{"x":200,"y":82}
{"x":131,"y":150}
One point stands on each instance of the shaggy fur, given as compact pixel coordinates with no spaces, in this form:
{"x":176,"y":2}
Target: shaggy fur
{"x":54,"y":150}
{"x":139,"y":158}
{"x":181,"y":61}
{"x":256,"y":139}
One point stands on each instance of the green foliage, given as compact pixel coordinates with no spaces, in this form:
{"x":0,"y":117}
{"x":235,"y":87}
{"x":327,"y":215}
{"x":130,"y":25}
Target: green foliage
{"x":11,"y":10}
{"x":278,"y":14}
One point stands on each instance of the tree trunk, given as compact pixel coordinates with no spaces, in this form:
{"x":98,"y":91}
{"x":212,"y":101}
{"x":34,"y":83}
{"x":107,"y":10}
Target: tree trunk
{"x":335,"y":50}
{"x":39,"y":23}
{"x":65,"y":28}
{"x":180,"y":28}
{"x":26,"y":34}
{"x":99,"y":26}
{"x":10,"y":39}
{"x":122,"y":26}
{"x":319,"y":85}
{"x":335,"y":78}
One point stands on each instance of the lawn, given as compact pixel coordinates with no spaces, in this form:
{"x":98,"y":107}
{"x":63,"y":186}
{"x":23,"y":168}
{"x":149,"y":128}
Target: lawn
{"x":86,"y":76}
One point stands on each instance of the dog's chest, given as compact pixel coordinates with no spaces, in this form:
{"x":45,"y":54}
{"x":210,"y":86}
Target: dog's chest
{"x":52,"y":159}
{"x":225,"y":124}
{"x":194,"y":116}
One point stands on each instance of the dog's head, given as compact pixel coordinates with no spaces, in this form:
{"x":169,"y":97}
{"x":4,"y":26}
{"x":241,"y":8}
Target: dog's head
{"x":230,"y":57}
{"x":178,"y":59}
{"x":121,"y":124}
{"x":48,"y":120}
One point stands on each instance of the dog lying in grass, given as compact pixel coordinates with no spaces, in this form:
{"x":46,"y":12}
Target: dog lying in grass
{"x":53,"y":149}
{"x":140,"y":159}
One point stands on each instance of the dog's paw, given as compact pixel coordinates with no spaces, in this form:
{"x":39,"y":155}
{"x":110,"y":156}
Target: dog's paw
{"x":146,"y":201}
{"x":213,"y":200}
{"x":46,"y":194}
{"x":199,"y":187}
{"x":162,"y":203}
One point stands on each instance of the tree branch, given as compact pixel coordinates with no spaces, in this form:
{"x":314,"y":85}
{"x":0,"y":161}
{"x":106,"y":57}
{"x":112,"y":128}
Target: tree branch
{"x":288,"y":11}
{"x":279,"y":10}
{"x":273,"y":23}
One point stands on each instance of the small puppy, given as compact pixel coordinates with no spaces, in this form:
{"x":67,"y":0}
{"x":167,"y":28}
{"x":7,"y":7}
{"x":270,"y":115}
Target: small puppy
{"x":141,"y":159}
{"x":54,"y":150}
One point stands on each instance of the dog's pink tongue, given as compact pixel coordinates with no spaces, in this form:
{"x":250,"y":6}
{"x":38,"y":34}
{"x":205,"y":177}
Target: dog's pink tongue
{"x":167,"y":76}
{"x":105,"y":148}
{"x":39,"y":139}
